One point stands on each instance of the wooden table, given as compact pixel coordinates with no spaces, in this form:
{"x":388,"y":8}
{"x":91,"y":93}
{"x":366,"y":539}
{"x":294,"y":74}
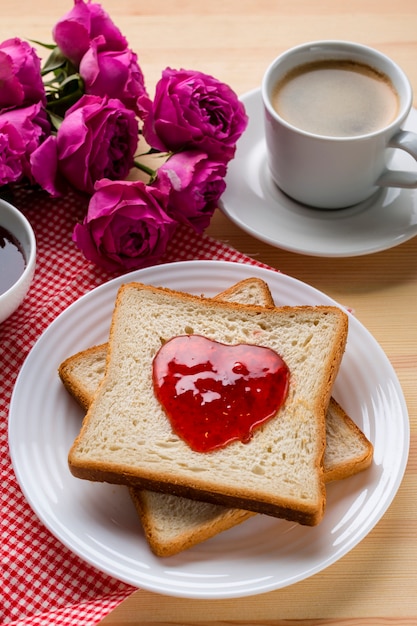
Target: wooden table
{"x":376,"y":583}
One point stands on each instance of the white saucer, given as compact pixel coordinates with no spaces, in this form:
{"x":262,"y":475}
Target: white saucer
{"x":255,"y":204}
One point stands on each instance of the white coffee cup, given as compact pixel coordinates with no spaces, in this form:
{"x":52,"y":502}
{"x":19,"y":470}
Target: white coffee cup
{"x":333,"y":172}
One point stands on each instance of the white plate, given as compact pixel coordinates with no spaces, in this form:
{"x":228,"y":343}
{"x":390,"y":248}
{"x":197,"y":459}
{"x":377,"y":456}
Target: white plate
{"x":255,"y":204}
{"x":98,"y":521}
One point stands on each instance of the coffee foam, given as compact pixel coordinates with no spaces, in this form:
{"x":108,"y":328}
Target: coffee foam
{"x":336,"y":98}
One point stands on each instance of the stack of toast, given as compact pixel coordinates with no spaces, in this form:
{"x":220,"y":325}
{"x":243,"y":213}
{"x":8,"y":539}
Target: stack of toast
{"x":182,"y":496}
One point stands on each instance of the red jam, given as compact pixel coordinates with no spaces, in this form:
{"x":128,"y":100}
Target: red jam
{"x":215,"y":393}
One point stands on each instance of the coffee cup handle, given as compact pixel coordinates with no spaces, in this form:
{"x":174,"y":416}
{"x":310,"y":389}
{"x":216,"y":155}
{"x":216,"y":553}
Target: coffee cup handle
{"x":404,"y":140}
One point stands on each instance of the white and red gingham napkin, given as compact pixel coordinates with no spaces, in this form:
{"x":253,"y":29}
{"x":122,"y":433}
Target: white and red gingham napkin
{"x":42,"y":582}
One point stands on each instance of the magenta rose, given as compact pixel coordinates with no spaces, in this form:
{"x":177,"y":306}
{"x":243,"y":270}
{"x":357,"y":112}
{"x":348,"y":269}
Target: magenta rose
{"x":193,"y":185}
{"x":115,"y":74}
{"x":12,"y":152}
{"x":97,"y":139}
{"x":126,"y":227}
{"x":192,"y":110}
{"x":74,"y":32}
{"x":20,"y":75}
{"x":21,"y":132}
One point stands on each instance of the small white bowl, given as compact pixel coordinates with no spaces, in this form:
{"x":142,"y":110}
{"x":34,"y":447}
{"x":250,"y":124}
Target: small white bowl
{"x":17,"y":225}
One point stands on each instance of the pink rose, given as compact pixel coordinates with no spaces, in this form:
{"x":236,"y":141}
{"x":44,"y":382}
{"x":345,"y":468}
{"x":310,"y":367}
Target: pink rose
{"x":74,"y":32}
{"x":97,"y":139}
{"x":193,"y":185}
{"x":125,"y":228}
{"x":21,"y":132}
{"x":20,"y":75}
{"x":115,"y":74}
{"x":192,"y":110}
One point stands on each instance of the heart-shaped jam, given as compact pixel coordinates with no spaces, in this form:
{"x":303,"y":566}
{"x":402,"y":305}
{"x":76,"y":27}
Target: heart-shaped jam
{"x":215,"y":393}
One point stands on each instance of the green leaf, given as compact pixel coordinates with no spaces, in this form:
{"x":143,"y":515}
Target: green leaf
{"x":55,"y":61}
{"x":61,"y":100}
{"x":56,"y":120}
{"x":48,"y":46}
{"x":73,"y":82}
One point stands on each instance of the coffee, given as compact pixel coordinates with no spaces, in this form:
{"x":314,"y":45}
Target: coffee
{"x":336,"y":98}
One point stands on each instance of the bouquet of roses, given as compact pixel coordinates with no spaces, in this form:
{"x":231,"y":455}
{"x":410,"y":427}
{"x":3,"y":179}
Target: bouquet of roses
{"x":84,"y":120}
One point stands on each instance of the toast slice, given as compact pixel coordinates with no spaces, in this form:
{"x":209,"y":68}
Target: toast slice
{"x":173,"y":524}
{"x":126,"y":437}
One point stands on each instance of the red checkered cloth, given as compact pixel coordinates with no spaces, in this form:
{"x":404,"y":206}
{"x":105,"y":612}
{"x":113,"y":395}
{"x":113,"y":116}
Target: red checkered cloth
{"x":42,"y":582}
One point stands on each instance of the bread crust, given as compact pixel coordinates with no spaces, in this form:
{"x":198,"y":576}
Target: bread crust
{"x":77,"y":387}
{"x":220,"y":519}
{"x":364,"y":450}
